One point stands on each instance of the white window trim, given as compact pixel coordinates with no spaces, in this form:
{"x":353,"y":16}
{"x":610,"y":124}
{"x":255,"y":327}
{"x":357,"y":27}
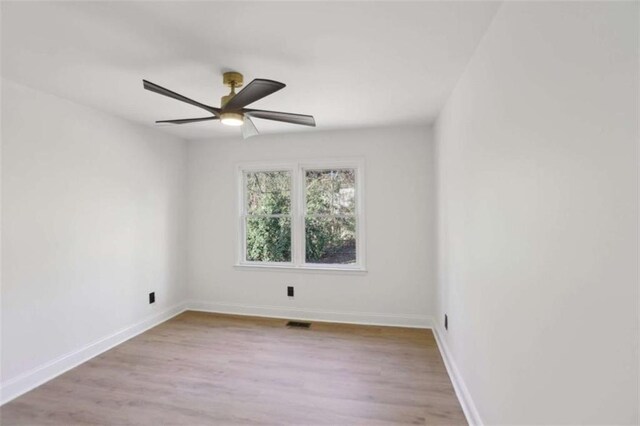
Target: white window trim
{"x":298,"y":193}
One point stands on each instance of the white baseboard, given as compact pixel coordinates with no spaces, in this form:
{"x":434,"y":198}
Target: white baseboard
{"x":468,"y":406}
{"x":31,"y":379}
{"x":364,"y":318}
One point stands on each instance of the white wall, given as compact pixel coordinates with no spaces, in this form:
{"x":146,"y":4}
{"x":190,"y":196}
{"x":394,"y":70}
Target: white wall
{"x":537,"y":183}
{"x":93,"y":219}
{"x":399,"y":285}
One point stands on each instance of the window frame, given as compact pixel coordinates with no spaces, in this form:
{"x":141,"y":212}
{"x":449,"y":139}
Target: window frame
{"x":297,"y":170}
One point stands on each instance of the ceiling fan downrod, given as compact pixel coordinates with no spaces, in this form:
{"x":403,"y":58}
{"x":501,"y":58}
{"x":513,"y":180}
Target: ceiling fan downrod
{"x":231,"y":79}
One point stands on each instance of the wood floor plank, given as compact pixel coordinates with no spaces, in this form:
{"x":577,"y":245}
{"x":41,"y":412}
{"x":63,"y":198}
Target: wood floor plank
{"x":212,"y":369}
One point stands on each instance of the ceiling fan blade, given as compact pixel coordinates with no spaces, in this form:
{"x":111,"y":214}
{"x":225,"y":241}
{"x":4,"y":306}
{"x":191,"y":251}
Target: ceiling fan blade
{"x":166,"y":92}
{"x":186,"y":120}
{"x":305,"y":120}
{"x":257,"y":89}
{"x":248,"y":128}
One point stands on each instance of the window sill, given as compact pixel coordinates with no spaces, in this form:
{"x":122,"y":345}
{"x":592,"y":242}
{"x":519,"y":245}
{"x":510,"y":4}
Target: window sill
{"x":303,"y":269}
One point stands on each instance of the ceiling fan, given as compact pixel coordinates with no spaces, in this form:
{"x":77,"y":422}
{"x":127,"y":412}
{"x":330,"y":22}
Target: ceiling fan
{"x":232,"y":111}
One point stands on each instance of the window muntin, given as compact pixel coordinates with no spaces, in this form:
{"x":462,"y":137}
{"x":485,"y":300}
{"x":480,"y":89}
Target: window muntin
{"x":330,"y":219}
{"x":267,"y":217}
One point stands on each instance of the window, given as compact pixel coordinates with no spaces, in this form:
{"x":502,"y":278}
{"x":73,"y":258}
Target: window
{"x":302,"y":215}
{"x":267,"y":220}
{"x":330,"y":219}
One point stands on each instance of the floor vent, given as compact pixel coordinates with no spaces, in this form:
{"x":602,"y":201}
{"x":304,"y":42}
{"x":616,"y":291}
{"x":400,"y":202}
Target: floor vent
{"x":298,"y":324}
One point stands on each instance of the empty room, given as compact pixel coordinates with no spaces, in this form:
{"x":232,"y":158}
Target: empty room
{"x":319,"y":213}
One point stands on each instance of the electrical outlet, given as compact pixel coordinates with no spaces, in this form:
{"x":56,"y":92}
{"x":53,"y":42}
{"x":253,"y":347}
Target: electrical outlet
{"x":290,"y":291}
{"x":152,"y":297}
{"x":446,"y":322}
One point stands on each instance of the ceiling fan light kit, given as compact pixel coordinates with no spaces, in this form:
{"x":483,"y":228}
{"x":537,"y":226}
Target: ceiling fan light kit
{"x":232,"y":118}
{"x":232,"y":111}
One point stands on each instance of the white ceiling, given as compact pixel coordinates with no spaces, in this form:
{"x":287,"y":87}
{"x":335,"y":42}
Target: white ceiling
{"x":350,"y":64}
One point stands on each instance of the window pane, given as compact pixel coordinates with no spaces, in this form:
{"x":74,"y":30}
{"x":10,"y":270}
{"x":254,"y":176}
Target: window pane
{"x":345,"y":190}
{"x":330,"y":191}
{"x":330,"y":240}
{"x":268,"y":239}
{"x":268,"y":192}
{"x":319,"y":195}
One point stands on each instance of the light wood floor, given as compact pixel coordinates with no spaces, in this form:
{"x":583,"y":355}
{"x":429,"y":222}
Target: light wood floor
{"x":200,"y":368}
